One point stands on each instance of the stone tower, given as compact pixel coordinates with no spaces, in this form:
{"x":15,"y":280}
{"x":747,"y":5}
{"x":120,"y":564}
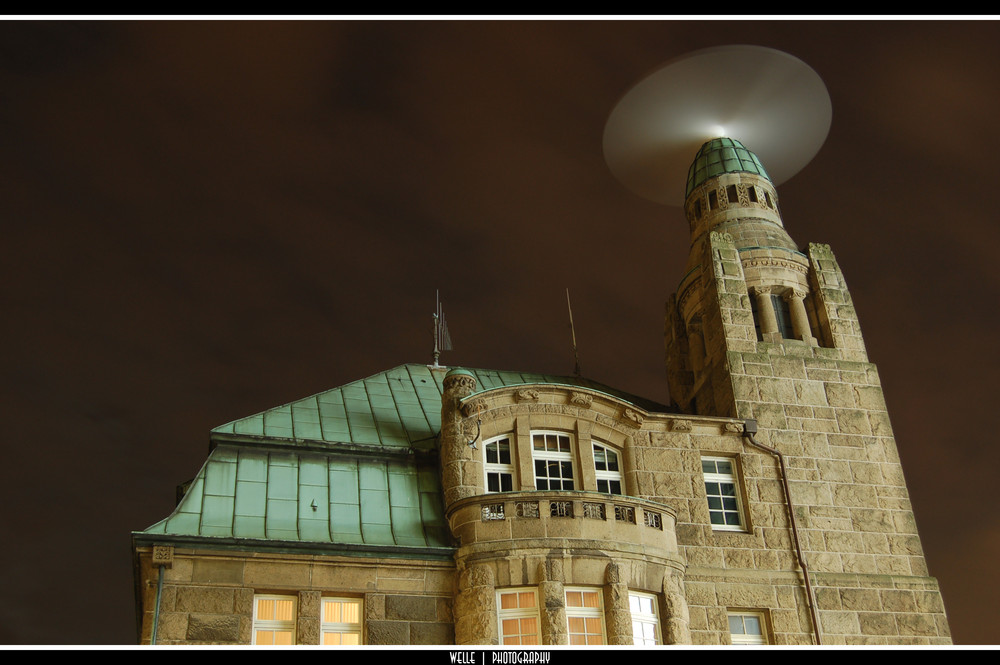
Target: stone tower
{"x":762,"y":330}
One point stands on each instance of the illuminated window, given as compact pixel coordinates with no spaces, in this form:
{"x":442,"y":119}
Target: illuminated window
{"x":499,"y":469}
{"x":341,"y":621}
{"x":584,"y":616}
{"x":645,"y":619}
{"x":553,"y":457}
{"x":608,"y":470}
{"x":518,"y":614}
{"x":722,"y":494}
{"x":274,"y":620}
{"x":747,"y":628}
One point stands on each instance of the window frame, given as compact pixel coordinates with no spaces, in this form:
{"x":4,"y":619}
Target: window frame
{"x":549,"y":457}
{"x":745,"y":638}
{"x":518,"y":613}
{"x":607,"y":475}
{"x":273,"y":625}
{"x":585,"y":613}
{"x":730,"y":479}
{"x":498,"y":467}
{"x":342,"y":627}
{"x":644,"y":619}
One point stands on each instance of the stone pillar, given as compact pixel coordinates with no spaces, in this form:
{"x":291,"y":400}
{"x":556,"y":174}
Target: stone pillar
{"x":552,"y":602}
{"x":475,"y":610}
{"x":461,"y":467}
{"x":675,"y":623}
{"x":522,"y":442}
{"x":765,"y":310}
{"x":308,"y":619}
{"x":584,"y":456}
{"x":617,"y":614}
{"x":800,"y":320}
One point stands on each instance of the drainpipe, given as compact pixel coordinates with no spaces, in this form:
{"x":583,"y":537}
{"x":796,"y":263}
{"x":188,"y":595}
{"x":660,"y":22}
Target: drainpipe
{"x":156,"y":612}
{"x":749,"y":429}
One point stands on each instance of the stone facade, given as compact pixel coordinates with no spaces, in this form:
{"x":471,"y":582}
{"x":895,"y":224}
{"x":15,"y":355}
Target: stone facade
{"x":208,"y":596}
{"x":607,"y":498}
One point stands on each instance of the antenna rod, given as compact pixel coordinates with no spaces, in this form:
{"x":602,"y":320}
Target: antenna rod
{"x":572,"y":330}
{"x":436,"y":333}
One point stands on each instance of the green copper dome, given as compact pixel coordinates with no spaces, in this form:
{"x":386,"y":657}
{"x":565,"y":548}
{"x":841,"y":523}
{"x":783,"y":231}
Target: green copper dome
{"x":720,"y":156}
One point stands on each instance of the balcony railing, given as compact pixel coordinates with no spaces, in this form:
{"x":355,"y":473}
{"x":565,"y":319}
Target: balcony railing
{"x":544,"y":515}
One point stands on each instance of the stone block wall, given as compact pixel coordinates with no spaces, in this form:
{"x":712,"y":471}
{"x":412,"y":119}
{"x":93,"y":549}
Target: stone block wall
{"x":208,"y":596}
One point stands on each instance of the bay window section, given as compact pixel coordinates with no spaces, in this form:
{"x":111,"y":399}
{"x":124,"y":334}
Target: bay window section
{"x":607,"y":470}
{"x":584,"y":616}
{"x":645,"y":619}
{"x":499,"y":467}
{"x":518,"y":616}
{"x":553,"y":461}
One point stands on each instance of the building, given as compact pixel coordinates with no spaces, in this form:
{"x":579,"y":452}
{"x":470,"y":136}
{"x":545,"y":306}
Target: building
{"x":430,"y":505}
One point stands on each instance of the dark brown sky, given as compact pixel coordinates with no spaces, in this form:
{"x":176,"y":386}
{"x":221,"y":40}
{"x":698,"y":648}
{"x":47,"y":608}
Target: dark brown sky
{"x":204,"y":220}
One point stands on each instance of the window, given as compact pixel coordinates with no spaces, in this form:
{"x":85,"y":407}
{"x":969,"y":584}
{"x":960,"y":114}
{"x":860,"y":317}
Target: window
{"x":783,"y":315}
{"x":747,"y":628}
{"x":720,"y":488}
{"x":645,"y":622}
{"x":553,"y":458}
{"x":732,"y":196}
{"x":584,"y":616}
{"x":755,"y":310}
{"x":341,"y":621}
{"x":274,"y":620}
{"x":518,"y":614}
{"x":609,"y":475}
{"x":499,"y":469}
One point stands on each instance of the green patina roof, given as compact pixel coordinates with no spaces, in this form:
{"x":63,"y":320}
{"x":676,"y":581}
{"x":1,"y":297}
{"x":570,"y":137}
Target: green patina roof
{"x":396,"y":409}
{"x":272,"y":495}
{"x":722,"y":156}
{"x":336,"y":469}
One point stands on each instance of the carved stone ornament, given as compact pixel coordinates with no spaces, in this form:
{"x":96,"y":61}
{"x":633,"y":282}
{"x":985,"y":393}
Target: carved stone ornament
{"x":527,"y":395}
{"x":462,"y":382}
{"x":735,"y":428}
{"x":716,"y":237}
{"x":680,"y":426}
{"x":633,"y":418}
{"x":794,"y":294}
{"x":581,"y":399}
{"x":473,"y":407}
{"x":772,"y":262}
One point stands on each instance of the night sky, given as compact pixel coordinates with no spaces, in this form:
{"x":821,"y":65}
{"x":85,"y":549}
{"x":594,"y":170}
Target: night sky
{"x":205,"y":220}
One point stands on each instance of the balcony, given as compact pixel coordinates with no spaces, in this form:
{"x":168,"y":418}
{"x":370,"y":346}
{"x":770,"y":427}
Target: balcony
{"x":564,"y":519}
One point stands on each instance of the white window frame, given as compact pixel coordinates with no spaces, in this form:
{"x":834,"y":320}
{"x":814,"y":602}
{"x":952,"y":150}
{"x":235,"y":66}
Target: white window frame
{"x":273,"y":625}
{"x":744,"y":637}
{"x":721,"y":503}
{"x":588,"y":615}
{"x":607,"y":475}
{"x":342,"y":627}
{"x":645,"y":611}
{"x":518,"y":614}
{"x":557,"y":457}
{"x":498,"y":468}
